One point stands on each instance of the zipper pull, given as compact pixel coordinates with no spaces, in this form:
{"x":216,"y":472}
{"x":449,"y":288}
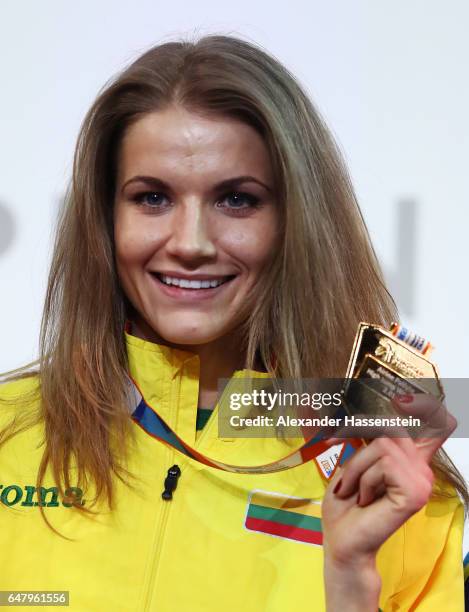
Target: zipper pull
{"x":170,"y":482}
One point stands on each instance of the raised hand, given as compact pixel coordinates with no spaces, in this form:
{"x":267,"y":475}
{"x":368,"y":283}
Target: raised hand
{"x":377,"y":490}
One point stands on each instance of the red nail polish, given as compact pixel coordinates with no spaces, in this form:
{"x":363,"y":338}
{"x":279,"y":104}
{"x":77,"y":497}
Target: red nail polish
{"x":337,"y":486}
{"x":404,"y":399}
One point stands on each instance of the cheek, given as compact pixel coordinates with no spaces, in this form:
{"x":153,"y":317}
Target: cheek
{"x":255,"y":244}
{"x":133,"y":242}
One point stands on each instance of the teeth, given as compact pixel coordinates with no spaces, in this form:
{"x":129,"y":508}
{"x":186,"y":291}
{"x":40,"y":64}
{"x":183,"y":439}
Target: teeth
{"x":191,"y":284}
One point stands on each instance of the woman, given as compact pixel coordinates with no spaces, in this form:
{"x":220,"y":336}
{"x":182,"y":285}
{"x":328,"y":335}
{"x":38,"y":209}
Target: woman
{"x":206,"y":163}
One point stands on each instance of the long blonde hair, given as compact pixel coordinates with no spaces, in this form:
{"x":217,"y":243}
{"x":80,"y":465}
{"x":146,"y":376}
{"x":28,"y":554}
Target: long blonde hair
{"x":324,"y":279}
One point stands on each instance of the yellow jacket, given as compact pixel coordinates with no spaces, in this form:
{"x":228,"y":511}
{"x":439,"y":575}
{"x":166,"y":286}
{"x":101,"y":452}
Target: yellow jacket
{"x":207,"y":549}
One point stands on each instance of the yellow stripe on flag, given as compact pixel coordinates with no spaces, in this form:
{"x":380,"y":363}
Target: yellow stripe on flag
{"x":282,"y":502}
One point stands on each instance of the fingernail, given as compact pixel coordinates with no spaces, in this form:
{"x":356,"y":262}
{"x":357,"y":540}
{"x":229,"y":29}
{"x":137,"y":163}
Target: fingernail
{"x":404,"y":399}
{"x":337,"y":486}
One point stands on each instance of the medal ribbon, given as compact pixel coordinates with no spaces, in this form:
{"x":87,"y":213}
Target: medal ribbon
{"x":410,"y":338}
{"x":150,"y":421}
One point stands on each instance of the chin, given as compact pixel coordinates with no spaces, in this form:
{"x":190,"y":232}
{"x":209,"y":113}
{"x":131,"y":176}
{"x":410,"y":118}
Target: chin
{"x":190,"y":334}
{"x":189,"y":338}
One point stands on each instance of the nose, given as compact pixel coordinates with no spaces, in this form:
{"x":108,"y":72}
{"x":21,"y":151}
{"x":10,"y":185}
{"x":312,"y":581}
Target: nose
{"x":190,"y":238}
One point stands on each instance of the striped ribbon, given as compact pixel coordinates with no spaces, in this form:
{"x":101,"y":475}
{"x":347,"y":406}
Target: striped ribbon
{"x":406,"y":335}
{"x":149,"y":420}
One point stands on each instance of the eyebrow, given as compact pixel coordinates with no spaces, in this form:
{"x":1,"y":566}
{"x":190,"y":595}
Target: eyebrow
{"x":230,"y":183}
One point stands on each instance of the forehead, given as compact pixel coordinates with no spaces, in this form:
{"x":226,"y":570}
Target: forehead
{"x":177,"y":141}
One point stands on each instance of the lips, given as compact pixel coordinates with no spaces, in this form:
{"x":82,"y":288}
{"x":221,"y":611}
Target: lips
{"x":193,"y":293}
{"x":194,"y":283}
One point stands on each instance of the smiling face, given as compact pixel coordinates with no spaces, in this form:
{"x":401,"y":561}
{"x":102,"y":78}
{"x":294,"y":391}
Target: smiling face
{"x":195,"y":222}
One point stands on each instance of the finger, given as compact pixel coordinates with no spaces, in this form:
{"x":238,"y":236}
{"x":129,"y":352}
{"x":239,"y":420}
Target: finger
{"x":431,"y":412}
{"x":413,"y":454}
{"x":385,"y":473}
{"x":364,"y":459}
{"x":438,"y":422}
{"x":372,"y":484}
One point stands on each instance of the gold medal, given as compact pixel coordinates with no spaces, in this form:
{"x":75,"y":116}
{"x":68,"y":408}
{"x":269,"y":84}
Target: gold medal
{"x":385,"y":364}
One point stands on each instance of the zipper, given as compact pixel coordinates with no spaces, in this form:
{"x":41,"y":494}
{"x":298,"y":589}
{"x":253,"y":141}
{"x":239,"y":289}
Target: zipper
{"x":167,"y":503}
{"x":156,"y":548}
{"x":171,"y":482}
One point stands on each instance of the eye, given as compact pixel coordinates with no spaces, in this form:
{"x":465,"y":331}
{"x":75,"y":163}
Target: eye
{"x":239,"y":201}
{"x":236,"y":202}
{"x":150,"y":199}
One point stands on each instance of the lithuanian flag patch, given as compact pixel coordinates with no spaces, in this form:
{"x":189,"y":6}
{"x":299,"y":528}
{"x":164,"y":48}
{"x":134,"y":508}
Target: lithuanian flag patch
{"x":278,"y":515}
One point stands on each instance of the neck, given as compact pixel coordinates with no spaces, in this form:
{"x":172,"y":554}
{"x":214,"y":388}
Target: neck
{"x":218,"y":359}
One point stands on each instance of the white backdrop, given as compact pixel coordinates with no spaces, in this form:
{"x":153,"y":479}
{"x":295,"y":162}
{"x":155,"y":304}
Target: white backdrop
{"x":390,"y":79}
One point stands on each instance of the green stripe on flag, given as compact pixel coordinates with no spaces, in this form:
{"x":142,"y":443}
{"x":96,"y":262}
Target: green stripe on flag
{"x":284,"y":516}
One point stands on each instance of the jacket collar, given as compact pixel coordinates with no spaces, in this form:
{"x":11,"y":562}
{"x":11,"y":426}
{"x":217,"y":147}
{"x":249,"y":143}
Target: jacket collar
{"x":168,"y":380}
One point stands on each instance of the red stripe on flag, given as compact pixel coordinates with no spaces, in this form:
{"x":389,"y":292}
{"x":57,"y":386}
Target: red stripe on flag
{"x":285,"y":531}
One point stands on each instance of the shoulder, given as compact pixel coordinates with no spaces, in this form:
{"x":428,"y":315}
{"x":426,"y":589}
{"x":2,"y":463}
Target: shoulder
{"x":18,"y":387}
{"x":428,"y":530}
{"x":21,"y":431}
{"x":426,"y":552}
{"x":19,"y":397}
